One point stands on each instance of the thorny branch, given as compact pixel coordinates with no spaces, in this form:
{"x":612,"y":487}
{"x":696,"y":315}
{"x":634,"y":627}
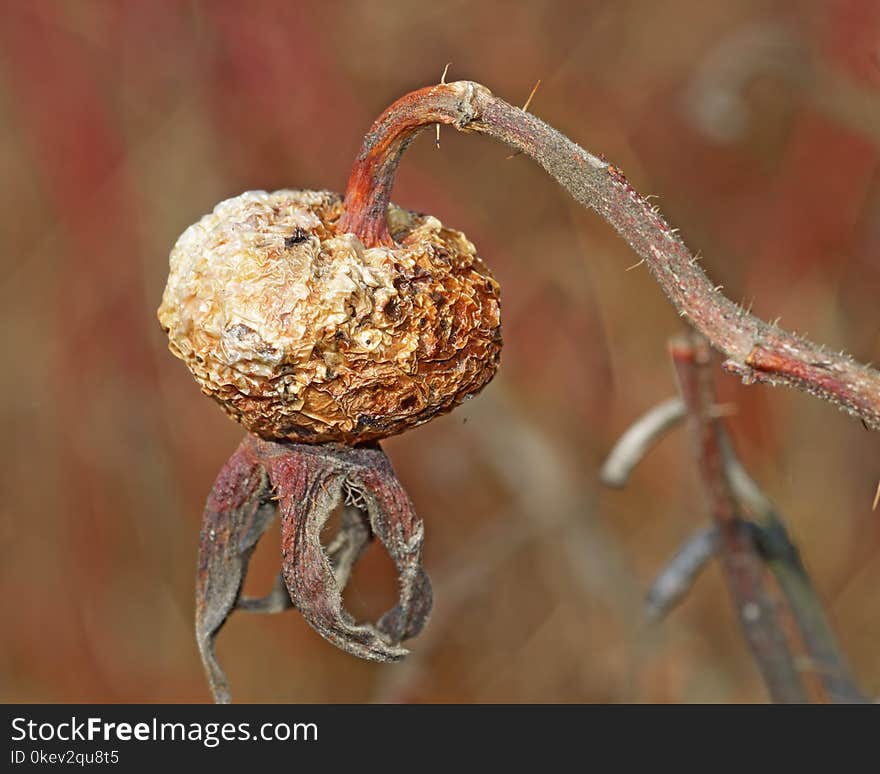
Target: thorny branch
{"x":755,"y":350}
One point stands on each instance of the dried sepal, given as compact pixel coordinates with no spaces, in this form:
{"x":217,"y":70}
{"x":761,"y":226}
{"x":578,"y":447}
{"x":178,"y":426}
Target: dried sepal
{"x":349,"y":543}
{"x":311,"y":483}
{"x":276,"y":601}
{"x":307,"y":485}
{"x":238,"y":512}
{"x":394,"y":521}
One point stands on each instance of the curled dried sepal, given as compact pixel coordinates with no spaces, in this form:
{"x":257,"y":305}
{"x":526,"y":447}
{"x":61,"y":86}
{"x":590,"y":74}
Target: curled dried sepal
{"x":311,"y":483}
{"x":343,"y":551}
{"x":276,"y":601}
{"x":307,"y":484}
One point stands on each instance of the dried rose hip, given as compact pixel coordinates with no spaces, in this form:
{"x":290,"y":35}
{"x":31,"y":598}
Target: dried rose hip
{"x":321,"y":345}
{"x":303,"y":333}
{"x":324,"y":324}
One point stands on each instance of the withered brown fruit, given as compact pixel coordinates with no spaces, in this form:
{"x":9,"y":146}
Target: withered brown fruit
{"x":324,"y":326}
{"x":303,"y":333}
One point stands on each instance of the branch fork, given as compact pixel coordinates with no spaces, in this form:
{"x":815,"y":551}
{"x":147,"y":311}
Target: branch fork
{"x":746,"y":535}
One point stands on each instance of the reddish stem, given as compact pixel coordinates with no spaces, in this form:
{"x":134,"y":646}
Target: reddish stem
{"x":372,"y":177}
{"x":762,"y":621}
{"x":755,"y":350}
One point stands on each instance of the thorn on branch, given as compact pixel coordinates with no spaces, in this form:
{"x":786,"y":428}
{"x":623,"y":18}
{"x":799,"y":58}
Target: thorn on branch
{"x":525,"y":107}
{"x":442,"y":83}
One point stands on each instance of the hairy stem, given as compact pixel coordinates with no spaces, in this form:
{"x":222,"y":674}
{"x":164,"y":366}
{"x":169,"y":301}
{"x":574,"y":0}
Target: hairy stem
{"x":756,"y":351}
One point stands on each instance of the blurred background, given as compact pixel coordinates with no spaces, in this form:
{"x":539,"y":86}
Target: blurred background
{"x":755,"y":122}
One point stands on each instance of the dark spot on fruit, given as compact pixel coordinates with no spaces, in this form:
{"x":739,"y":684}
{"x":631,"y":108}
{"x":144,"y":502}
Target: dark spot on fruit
{"x":392,"y":309}
{"x":298,"y":236}
{"x":421,"y":273}
{"x":366,"y":420}
{"x":250,"y":338}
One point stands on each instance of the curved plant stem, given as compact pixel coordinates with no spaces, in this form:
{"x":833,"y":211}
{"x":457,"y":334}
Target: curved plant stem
{"x":639,"y":439}
{"x":756,"y":351}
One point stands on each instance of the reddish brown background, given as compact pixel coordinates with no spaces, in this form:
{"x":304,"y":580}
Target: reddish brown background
{"x":121,"y":123}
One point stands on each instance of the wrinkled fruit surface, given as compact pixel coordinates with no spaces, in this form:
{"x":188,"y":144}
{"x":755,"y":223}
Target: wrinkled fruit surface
{"x":304,"y":334}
